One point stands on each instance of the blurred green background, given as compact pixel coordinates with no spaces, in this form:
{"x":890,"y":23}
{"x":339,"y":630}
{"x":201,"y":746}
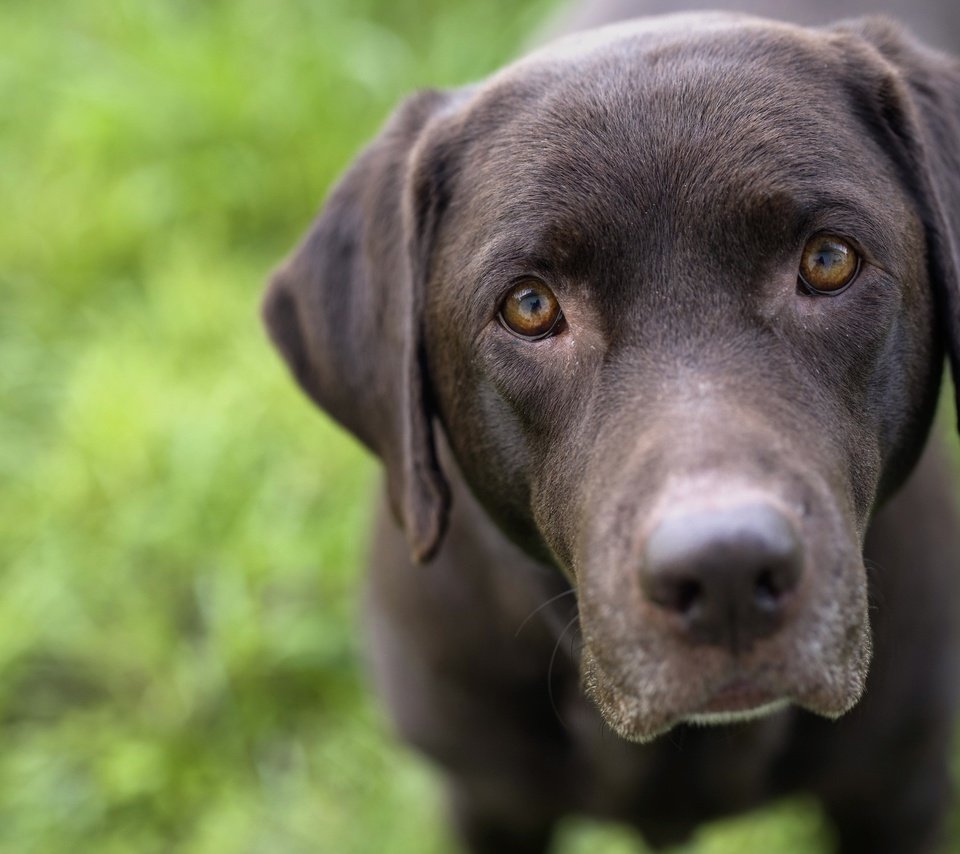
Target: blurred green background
{"x":180,"y":532}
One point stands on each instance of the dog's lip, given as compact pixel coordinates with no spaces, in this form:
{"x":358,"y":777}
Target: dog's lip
{"x":740,"y":698}
{"x":709,"y":686}
{"x":740,"y":694}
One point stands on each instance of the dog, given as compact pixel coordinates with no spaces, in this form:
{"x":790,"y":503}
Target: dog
{"x":648,"y":330}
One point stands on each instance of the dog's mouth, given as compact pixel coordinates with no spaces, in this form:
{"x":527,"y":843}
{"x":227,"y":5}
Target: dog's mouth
{"x":740,"y":698}
{"x":642,"y":715}
{"x":651,"y":700}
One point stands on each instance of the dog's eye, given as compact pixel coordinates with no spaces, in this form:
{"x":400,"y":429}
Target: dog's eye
{"x":530,"y":310}
{"x":828,"y":264}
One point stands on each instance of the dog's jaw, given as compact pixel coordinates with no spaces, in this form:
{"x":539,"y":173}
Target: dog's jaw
{"x":656,"y":696}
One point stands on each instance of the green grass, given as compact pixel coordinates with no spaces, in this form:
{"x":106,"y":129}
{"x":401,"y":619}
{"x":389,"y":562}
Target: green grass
{"x":180,"y":532}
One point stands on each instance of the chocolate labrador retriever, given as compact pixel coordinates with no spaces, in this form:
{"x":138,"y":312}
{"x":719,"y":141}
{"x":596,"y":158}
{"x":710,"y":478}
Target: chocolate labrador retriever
{"x":648,"y":331}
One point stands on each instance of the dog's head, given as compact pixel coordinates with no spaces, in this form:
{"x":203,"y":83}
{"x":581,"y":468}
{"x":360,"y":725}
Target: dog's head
{"x":676,"y":293}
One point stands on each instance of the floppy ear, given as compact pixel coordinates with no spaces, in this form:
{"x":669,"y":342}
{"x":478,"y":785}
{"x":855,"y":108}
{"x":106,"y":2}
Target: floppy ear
{"x":345,"y":311}
{"x":919,"y":102}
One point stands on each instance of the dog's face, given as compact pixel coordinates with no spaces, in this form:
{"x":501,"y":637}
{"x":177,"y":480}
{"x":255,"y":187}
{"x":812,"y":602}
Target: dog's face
{"x":670,"y":290}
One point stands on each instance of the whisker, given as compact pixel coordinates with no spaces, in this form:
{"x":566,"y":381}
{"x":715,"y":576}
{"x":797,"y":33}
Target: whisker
{"x":553,"y":658}
{"x":539,"y":608}
{"x":574,"y":640}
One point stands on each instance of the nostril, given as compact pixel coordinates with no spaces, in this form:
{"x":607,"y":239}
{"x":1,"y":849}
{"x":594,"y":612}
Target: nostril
{"x":773,"y":582}
{"x":766,"y":592}
{"x":689,"y":592}
{"x":678,"y":594}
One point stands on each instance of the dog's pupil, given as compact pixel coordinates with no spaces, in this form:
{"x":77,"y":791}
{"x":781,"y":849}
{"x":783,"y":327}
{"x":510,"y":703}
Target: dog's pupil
{"x":828,"y":258}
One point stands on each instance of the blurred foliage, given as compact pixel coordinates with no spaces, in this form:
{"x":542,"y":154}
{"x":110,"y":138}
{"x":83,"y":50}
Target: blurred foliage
{"x":180,"y":532}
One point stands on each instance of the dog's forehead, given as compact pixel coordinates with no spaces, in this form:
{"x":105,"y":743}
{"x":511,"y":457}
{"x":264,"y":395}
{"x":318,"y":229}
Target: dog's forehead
{"x":678,"y":88}
{"x":677,"y":123}
{"x":657,"y":32}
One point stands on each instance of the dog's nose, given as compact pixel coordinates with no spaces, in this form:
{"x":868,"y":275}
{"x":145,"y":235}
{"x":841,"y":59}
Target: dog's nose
{"x":725,"y":573}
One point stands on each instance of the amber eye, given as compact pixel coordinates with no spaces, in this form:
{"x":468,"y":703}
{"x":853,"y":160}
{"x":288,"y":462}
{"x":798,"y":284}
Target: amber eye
{"x":530,"y":310}
{"x":828,"y":264}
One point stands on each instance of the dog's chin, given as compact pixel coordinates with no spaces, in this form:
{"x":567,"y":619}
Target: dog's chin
{"x":623,"y":716}
{"x":660,"y":703}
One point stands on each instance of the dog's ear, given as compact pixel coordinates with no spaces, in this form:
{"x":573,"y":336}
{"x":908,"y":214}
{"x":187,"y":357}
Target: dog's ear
{"x":917,"y":101}
{"x":345,"y":311}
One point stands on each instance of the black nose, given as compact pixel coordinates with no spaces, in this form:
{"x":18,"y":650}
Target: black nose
{"x":726,"y":573}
